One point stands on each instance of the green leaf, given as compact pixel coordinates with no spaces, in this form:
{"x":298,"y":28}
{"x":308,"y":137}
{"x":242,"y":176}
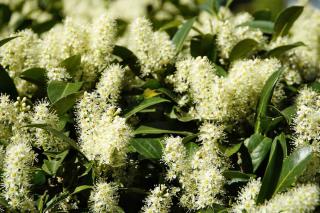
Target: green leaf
{"x":229,"y":151}
{"x":258,"y":147}
{"x":204,"y":45}
{"x":192,"y":148}
{"x":264,"y":26}
{"x":56,"y":200}
{"x":66,"y":103}
{"x":35,"y":75}
{"x":145,"y":104}
{"x":283,"y":143}
{"x":51,"y":166}
{"x":172,"y":24}
{"x":220,"y":71}
{"x":278,"y":51}
{"x":293,"y":166}
{"x":211,"y":6}
{"x":58,"y":90}
{"x":81,"y":188}
{"x":6,"y":40}
{"x":264,"y":100}
{"x":272,"y":172}
{"x":6,"y":84}
{"x":128,"y":58}
{"x":152,"y":130}
{"x":236,"y":176}
{"x":168,"y":93}
{"x":285,"y":20}
{"x":38,"y":177}
{"x":289,"y":113}
{"x":242,"y":49}
{"x":72,"y":64}
{"x":150,"y":148}
{"x":264,"y":15}
{"x":177,"y":113}
{"x":182,"y":33}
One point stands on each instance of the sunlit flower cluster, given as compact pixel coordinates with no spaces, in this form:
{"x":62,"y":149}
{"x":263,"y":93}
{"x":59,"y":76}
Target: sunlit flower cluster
{"x":199,"y":173}
{"x":218,"y":98}
{"x":153,"y":49}
{"x":159,"y":201}
{"x":104,"y":198}
{"x":43,"y":139}
{"x":93,"y":42}
{"x":16,"y":179}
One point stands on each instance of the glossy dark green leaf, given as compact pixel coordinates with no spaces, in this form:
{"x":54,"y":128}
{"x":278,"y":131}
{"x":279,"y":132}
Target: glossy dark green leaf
{"x":152,"y":130}
{"x":6,"y":84}
{"x":258,"y":147}
{"x":243,"y":49}
{"x":204,"y":45}
{"x":81,"y":188}
{"x":220,"y":71}
{"x":128,"y":58}
{"x":191,"y":148}
{"x":56,"y":200}
{"x":145,"y":104}
{"x":51,"y":166}
{"x":172,"y":24}
{"x":66,"y":103}
{"x":168,"y":93}
{"x":150,"y":148}
{"x":58,"y":90}
{"x":211,"y":6}
{"x":264,"y":100}
{"x":234,"y":176}
{"x":264,"y":15}
{"x":38,"y":178}
{"x":293,"y":166}
{"x":182,"y":33}
{"x":72,"y":64}
{"x":285,"y":20}
{"x":289,"y":113}
{"x":278,"y":51}
{"x":264,"y":26}
{"x":35,"y":75}
{"x":6,"y":40}
{"x":272,"y":172}
{"x":229,"y":151}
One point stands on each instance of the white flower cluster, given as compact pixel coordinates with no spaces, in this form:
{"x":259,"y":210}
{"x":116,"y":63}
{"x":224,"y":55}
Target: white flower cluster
{"x":223,"y":99}
{"x":18,"y":55}
{"x":13,"y":115}
{"x":42,"y":115}
{"x":93,"y":42}
{"x":307,"y":120}
{"x":302,"y":198}
{"x":200,"y":175}
{"x":159,"y":201}
{"x":246,"y":200}
{"x":16,"y":179}
{"x":306,"y":58}
{"x":230,"y":31}
{"x":104,"y":198}
{"x":104,"y":135}
{"x":153,"y":49}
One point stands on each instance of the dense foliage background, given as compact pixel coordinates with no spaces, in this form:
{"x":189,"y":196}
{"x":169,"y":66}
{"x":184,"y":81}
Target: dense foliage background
{"x":159,"y":106}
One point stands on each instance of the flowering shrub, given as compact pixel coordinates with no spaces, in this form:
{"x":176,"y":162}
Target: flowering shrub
{"x":175,"y":106}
